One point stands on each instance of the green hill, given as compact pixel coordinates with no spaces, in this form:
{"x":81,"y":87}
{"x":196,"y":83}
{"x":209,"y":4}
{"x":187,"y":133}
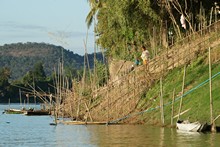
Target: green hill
{"x":21,"y":57}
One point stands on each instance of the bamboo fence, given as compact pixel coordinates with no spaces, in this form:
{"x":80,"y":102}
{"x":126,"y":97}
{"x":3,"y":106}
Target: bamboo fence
{"x":120,"y":98}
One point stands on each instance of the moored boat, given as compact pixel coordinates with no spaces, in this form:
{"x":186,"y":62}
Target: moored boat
{"x":191,"y":126}
{"x":14,"y":111}
{"x":37,"y":112}
{"x":82,"y":123}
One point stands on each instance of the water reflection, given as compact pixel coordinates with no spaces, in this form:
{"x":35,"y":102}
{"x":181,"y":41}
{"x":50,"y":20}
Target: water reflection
{"x":127,"y":135}
{"x":21,"y":130}
{"x":197,"y":139}
{"x":142,"y":135}
{"x":161,"y":137}
{"x":70,"y":135}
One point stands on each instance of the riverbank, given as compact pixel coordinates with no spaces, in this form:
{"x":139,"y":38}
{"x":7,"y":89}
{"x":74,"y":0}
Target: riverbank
{"x":195,"y":98}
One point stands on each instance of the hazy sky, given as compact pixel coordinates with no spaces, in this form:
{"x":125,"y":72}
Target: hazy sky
{"x":58,"y":22}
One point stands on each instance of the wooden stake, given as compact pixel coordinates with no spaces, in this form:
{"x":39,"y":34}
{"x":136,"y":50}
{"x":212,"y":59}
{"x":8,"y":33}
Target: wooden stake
{"x":20,"y":97}
{"x":161,"y":101}
{"x":172,"y":112}
{"x":181,"y":100}
{"x":108,"y":103}
{"x":213,"y":128}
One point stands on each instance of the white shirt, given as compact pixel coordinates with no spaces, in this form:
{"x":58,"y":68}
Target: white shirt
{"x":145,"y":55}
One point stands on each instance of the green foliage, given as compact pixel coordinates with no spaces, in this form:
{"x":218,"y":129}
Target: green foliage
{"x":35,"y":75}
{"x":102,"y":73}
{"x":38,"y":72}
{"x":4,"y":82}
{"x":125,"y":23}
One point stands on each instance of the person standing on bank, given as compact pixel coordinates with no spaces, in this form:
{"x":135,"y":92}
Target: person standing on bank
{"x":145,"y":55}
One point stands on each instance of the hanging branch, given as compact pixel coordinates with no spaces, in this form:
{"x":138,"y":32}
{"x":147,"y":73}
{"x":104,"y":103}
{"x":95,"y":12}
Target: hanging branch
{"x":179,"y":9}
{"x":176,"y":26}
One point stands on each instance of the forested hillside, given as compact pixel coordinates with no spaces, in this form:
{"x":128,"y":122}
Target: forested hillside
{"x":21,"y":58}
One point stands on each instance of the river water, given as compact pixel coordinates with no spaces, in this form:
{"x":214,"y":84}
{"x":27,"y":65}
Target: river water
{"x":34,"y":131}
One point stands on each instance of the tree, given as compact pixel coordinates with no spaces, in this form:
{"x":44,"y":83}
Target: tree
{"x":38,"y":72}
{"x":125,"y":25}
{"x":4,"y":81}
{"x":95,"y":5}
{"x":122,"y":23}
{"x":35,"y":75}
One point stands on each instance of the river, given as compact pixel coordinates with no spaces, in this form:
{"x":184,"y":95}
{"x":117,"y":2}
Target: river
{"x":34,"y":131}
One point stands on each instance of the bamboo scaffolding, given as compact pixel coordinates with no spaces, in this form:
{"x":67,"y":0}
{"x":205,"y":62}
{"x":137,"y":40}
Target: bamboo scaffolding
{"x":132,"y":84}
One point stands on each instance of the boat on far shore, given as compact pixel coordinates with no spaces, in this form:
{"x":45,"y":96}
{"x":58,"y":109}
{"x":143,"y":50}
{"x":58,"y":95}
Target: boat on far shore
{"x":185,"y":125}
{"x":29,"y":111}
{"x":14,"y":111}
{"x":37,"y":112}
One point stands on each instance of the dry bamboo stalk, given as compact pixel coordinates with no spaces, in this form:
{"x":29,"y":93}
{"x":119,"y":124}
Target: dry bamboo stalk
{"x":161,"y":101}
{"x":182,"y":113}
{"x":213,"y":127}
{"x":89,"y":112}
{"x":172,"y":111}
{"x":181,"y":100}
{"x":108,"y":104}
{"x":216,"y":118}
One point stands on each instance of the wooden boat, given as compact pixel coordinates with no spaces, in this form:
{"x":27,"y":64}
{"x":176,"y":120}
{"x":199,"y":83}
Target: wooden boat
{"x":37,"y":112}
{"x":82,"y":123}
{"x":14,"y":111}
{"x":191,"y":126}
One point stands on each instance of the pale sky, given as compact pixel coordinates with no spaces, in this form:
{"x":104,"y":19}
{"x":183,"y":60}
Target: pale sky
{"x":58,"y":22}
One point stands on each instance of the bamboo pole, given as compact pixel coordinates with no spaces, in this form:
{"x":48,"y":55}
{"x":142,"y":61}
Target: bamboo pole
{"x":213,"y":128}
{"x":87,"y":60}
{"x":210,"y":21}
{"x":172,"y":111}
{"x":108,"y":102}
{"x":216,"y":118}
{"x":182,"y":113}
{"x":87,"y":108}
{"x":94,"y":64}
{"x":9,"y":103}
{"x":181,"y":100}
{"x":20,"y":97}
{"x":161,"y":101}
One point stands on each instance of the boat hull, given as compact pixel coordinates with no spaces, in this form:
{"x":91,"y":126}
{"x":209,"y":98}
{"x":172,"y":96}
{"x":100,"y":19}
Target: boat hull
{"x":37,"y":112}
{"x":14,"y":111}
{"x":191,"y":126}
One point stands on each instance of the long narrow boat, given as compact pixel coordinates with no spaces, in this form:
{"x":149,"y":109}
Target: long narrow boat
{"x":14,"y":111}
{"x":37,"y":112}
{"x":191,"y":126}
{"x":82,"y":123}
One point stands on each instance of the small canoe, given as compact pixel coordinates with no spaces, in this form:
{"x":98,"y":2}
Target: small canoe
{"x":191,"y":126}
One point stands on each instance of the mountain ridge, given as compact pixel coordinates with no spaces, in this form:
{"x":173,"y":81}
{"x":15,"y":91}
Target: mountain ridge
{"x":21,"y":57}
